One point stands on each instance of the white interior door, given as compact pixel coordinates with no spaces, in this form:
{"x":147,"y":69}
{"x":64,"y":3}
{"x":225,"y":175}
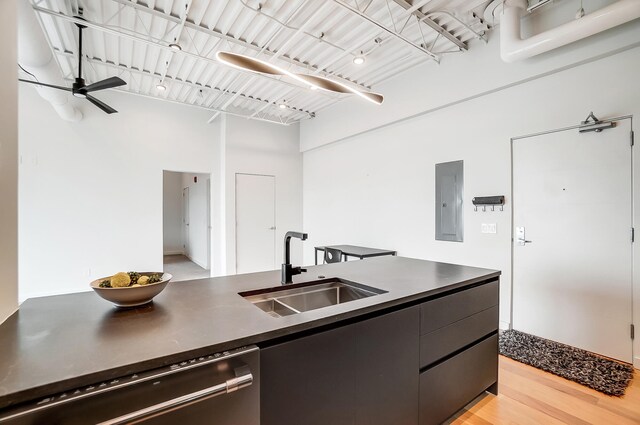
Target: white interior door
{"x":185,"y":222}
{"x":572,"y":199}
{"x":255,"y":223}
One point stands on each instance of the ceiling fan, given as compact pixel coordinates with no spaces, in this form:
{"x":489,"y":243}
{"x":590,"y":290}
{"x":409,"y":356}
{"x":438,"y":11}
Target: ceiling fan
{"x":79,"y":88}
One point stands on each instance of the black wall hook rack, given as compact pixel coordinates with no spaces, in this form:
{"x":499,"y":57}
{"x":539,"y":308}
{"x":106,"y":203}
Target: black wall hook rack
{"x":488,"y":201}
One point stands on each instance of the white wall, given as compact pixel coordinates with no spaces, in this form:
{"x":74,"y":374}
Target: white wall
{"x":460,"y":77}
{"x":172,"y":213}
{"x":91,"y":192}
{"x":255,"y":147}
{"x":198,"y":238}
{"x":376,"y":186}
{"x":8,"y":161}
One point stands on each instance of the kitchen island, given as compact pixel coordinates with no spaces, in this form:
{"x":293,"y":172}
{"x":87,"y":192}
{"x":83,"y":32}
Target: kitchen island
{"x":60,"y":343}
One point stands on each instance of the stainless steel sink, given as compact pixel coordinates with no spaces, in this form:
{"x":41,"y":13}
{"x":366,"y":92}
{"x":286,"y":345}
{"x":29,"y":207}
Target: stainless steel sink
{"x":293,"y":299}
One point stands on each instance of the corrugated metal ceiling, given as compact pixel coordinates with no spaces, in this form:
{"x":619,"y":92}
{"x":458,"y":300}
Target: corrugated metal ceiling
{"x":130,"y":39}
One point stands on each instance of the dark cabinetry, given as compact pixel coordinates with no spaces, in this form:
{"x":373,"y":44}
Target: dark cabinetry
{"x":458,"y":350}
{"x":450,"y":385}
{"x":364,"y":373}
{"x":418,"y":365}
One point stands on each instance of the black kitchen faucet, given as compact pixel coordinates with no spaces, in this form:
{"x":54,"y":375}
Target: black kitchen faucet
{"x":288,"y":271}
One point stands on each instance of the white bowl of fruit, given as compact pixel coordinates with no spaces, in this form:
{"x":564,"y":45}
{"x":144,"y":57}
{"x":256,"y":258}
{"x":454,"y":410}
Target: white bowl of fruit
{"x":131,"y":289}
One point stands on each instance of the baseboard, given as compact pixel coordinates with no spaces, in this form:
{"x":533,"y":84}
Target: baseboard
{"x":636,"y":362}
{"x":504,"y":326}
{"x":173,"y":253}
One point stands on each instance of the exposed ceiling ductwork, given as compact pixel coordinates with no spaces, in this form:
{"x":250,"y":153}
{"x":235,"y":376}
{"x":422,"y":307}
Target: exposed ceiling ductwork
{"x":513,"y":48}
{"x":166,"y":49}
{"x":35,"y":56}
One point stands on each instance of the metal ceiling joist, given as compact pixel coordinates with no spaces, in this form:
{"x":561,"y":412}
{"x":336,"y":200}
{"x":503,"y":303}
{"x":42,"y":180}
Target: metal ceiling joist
{"x":431,"y":23}
{"x":393,"y":32}
{"x":144,"y":73}
{"x":272,"y":121}
{"x":236,"y":41}
{"x":281,"y":50}
{"x":148,"y":42}
{"x":133,"y":37}
{"x":479,"y":36}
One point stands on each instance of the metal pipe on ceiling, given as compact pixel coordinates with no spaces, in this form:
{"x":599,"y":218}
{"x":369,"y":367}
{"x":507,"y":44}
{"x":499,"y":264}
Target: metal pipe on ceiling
{"x":34,"y":55}
{"x":176,"y":41}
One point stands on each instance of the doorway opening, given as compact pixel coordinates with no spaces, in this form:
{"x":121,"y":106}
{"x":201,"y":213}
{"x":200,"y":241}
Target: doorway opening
{"x":186,"y":224}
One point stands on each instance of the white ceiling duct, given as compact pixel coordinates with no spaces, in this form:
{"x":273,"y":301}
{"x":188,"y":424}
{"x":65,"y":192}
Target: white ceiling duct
{"x":35,"y":56}
{"x":514,"y":48}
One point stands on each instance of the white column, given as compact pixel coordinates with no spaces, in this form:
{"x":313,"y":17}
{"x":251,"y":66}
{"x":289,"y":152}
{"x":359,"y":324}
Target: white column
{"x":8,"y":160}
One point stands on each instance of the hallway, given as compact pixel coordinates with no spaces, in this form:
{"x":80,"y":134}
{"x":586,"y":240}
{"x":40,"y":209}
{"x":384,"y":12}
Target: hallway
{"x":183,"y":269}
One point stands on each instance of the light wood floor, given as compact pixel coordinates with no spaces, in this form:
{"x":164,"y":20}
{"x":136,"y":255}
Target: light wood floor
{"x":530,"y":396}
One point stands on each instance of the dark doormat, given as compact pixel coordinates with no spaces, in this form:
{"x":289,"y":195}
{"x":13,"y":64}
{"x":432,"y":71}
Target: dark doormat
{"x":601,"y":374}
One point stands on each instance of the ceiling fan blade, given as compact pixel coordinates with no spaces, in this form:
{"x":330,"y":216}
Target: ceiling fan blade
{"x":105,"y":84}
{"x":37,"y":83}
{"x":100,"y":104}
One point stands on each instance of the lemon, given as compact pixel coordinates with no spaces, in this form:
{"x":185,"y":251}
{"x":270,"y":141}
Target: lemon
{"x":120,"y":280}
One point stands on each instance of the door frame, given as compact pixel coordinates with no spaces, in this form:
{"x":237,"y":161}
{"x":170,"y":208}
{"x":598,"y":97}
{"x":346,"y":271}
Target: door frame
{"x":235,"y":214}
{"x":186,"y":219}
{"x":209,"y":213}
{"x":633,"y":209}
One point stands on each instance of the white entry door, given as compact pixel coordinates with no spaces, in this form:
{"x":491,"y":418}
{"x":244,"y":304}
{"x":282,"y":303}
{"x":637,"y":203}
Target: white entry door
{"x":255,"y":223}
{"x":572,"y":204}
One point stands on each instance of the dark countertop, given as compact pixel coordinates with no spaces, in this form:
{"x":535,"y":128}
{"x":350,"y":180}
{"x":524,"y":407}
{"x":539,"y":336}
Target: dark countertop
{"x":62,"y":342}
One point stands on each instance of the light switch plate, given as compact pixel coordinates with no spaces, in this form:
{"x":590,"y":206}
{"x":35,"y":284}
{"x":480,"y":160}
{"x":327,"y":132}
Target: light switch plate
{"x":488,"y":228}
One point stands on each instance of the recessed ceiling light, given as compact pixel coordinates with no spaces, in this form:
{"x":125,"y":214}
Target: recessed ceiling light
{"x":358,"y":60}
{"x":161,"y":87}
{"x":175,"y":46}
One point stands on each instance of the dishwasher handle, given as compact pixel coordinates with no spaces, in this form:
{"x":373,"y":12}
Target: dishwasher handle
{"x":243,"y":379}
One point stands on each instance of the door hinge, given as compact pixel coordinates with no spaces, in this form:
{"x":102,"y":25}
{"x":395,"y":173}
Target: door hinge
{"x":633,"y":331}
{"x":632,"y":138}
{"x":633,"y":234}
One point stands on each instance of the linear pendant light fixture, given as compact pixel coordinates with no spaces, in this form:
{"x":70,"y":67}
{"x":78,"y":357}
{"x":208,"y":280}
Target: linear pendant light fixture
{"x":314,"y":82}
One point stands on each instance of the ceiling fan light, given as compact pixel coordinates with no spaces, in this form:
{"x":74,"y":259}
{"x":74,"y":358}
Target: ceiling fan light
{"x":161,"y":87}
{"x":358,"y":60}
{"x":80,"y":95}
{"x":282,"y":106}
{"x":175,"y":46}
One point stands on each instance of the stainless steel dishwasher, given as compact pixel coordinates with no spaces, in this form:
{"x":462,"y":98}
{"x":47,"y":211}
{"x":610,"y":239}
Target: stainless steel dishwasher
{"x":221,"y":388}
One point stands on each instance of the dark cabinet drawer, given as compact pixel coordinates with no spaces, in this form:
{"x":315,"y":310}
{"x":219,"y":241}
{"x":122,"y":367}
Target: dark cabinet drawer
{"x":443,"y":311}
{"x":450,"y":385}
{"x":448,"y":339}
